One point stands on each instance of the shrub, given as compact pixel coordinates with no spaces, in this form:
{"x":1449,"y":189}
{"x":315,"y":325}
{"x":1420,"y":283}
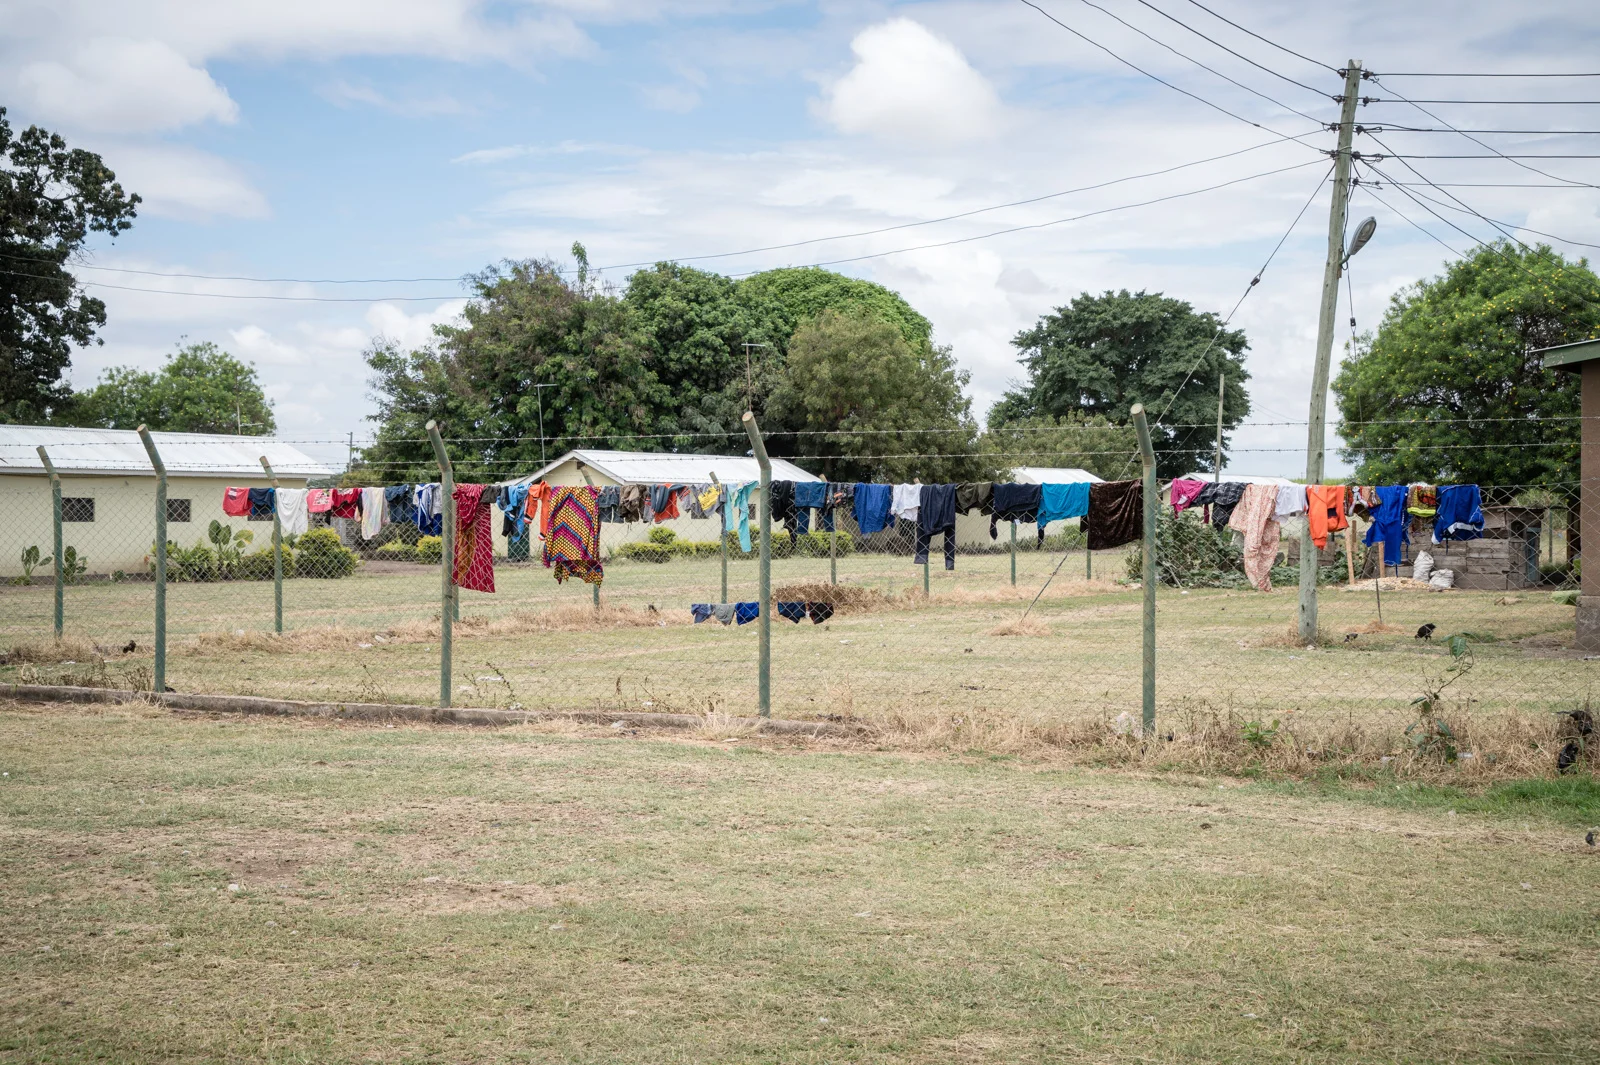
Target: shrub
{"x":397,"y":551}
{"x":430,"y":549}
{"x":321,"y":554}
{"x":257,"y":565}
{"x":197,"y":563}
{"x":403,"y":532}
{"x":662,"y":535}
{"x":646,"y":552}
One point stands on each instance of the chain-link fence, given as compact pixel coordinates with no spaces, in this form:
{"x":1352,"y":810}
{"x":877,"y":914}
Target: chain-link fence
{"x":1012,"y":627}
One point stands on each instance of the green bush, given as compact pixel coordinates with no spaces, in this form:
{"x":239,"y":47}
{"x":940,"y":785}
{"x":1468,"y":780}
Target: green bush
{"x":257,"y":565}
{"x":430,"y":549}
{"x":402,"y":532}
{"x":321,"y":554}
{"x":646,"y":552}
{"x":662,"y":535}
{"x":397,"y":551}
{"x":197,"y":563}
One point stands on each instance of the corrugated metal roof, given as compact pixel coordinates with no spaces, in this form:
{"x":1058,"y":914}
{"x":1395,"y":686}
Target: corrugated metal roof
{"x":119,"y":451}
{"x":1053,"y":475}
{"x":646,"y":467}
{"x":1236,"y":478}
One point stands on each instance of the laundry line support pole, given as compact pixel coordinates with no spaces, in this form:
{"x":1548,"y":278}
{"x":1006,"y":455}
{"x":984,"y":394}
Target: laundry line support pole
{"x":1148,"y":455}
{"x":1013,"y":554}
{"x":722,"y":531}
{"x":277,"y":552}
{"x":764,"y":581}
{"x":55,"y":523}
{"x":160,"y":681}
{"x":833,"y":545}
{"x":925,"y":569}
{"x":447,"y":560}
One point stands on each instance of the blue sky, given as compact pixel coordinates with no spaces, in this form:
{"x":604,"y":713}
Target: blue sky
{"x":427,"y":138}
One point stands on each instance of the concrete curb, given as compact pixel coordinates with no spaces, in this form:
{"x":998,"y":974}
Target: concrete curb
{"x":390,"y":712}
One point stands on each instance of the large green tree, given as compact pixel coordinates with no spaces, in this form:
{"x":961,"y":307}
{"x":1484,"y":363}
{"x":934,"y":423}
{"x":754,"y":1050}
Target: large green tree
{"x":859,"y":402}
{"x":51,"y":199}
{"x":413,"y":388}
{"x":199,"y":389}
{"x":1448,"y":389}
{"x":1110,"y":452}
{"x":1099,"y":355}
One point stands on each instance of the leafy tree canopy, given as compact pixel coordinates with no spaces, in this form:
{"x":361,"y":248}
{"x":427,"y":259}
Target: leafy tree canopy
{"x":51,"y":199}
{"x":1088,"y":443}
{"x":413,"y":388}
{"x":199,"y":389}
{"x":1447,"y":389}
{"x":804,"y":292}
{"x":900,"y":409}
{"x":1099,"y":355}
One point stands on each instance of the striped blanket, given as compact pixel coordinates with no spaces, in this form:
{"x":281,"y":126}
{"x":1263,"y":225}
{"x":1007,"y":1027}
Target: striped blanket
{"x":474,"y":562}
{"x":572,"y":542}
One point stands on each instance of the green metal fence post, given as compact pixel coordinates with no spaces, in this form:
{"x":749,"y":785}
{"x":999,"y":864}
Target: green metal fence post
{"x":1013,"y":554}
{"x":1088,"y":556}
{"x":722,"y":532}
{"x":764,"y":583}
{"x":447,"y":559}
{"x":55,"y":522}
{"x":833,"y":549}
{"x":277,"y":552}
{"x":1151,"y":501}
{"x":160,"y":683}
{"x":926,"y":591}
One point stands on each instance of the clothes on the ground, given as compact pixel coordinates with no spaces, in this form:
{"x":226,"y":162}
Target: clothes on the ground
{"x":1058,"y":502}
{"x":319,"y":500}
{"x":1460,"y":515}
{"x":399,"y":500}
{"x":293,"y":518}
{"x":572,"y":542}
{"x":1325,"y":511}
{"x":1291,"y":501}
{"x":744,"y":613}
{"x":262,"y":504}
{"x":346,"y":503}
{"x":907,"y":497}
{"x":473,"y":565}
{"x":701,"y":611}
{"x":975,"y":495}
{"x":819,"y":612}
{"x":1184,"y":492}
{"x":1014,"y":502}
{"x":936,"y":514}
{"x":1389,"y":522}
{"x":736,"y":513}
{"x":374,"y":513}
{"x":793,"y":611}
{"x":871,"y":506}
{"x":610,"y":503}
{"x":664,"y":501}
{"x":1116,"y":514}
{"x":723,"y":612}
{"x":1255,"y":519}
{"x":236,"y":502}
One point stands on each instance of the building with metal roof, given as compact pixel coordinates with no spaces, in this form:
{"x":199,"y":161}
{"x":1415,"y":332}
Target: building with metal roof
{"x":119,"y":451}
{"x":1053,"y":475}
{"x":655,"y":467}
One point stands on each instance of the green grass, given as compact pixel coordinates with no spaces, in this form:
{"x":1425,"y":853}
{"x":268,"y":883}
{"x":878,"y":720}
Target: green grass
{"x":415,"y":894}
{"x":1571,"y":800}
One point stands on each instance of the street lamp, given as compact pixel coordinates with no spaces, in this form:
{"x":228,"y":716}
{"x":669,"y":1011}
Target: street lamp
{"x":1364,"y":231}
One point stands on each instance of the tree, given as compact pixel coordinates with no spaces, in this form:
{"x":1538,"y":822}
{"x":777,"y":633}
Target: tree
{"x":1448,"y":389}
{"x":199,"y":389}
{"x":51,"y":199}
{"x":1110,"y":452}
{"x":411,"y":389}
{"x":858,"y":402}
{"x":804,"y":292}
{"x":1099,"y":355}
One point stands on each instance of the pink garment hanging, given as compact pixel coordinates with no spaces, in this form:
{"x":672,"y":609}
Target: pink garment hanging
{"x":319,"y":500}
{"x":1183,"y":494}
{"x":1255,"y":519}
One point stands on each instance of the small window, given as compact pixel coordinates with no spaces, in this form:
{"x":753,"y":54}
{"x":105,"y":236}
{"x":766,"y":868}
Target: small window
{"x":177,"y":510}
{"x":77,"y":508}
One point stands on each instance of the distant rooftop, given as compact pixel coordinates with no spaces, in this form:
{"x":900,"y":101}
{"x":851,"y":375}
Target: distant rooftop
{"x":653,"y":467}
{"x":1053,"y":475}
{"x":119,"y":451}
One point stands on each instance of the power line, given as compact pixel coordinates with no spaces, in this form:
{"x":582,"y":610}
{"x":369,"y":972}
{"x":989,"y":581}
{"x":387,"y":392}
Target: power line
{"x":1389,"y":126}
{"x":1499,"y":155}
{"x":1154,"y":77}
{"x":1202,"y":66}
{"x":1487,"y":103}
{"x":1481,"y":74}
{"x":1264,"y":40}
{"x":1508,"y":225}
{"x":1230,"y":51}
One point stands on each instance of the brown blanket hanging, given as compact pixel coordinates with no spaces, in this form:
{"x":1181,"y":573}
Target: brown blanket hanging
{"x":1116,"y":514}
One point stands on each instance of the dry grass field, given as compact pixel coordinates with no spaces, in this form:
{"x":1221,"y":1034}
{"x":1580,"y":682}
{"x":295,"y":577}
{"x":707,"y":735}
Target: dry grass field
{"x":208,"y":889}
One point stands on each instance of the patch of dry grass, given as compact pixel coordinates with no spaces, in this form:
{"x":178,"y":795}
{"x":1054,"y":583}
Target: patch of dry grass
{"x":1029,"y":626}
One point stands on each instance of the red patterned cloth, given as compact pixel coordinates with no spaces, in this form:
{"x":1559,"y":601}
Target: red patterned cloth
{"x":572,"y":542}
{"x":347,"y":502}
{"x":236,"y":502}
{"x":474,"y":561}
{"x":319,"y":500}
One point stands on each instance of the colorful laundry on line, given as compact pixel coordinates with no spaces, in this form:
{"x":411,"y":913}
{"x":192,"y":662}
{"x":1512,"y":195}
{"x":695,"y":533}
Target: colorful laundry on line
{"x":572,"y":544}
{"x":473,"y":565}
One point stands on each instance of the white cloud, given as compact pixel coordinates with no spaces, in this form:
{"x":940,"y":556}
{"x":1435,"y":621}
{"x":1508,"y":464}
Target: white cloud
{"x":910,"y":85}
{"x":344,"y":94}
{"x":677,"y":98}
{"x":411,"y":330}
{"x":130,"y":86}
{"x":184,"y":182}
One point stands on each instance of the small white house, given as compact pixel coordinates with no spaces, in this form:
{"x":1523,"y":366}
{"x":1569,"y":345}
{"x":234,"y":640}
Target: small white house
{"x":108,"y":490}
{"x":653,"y":468}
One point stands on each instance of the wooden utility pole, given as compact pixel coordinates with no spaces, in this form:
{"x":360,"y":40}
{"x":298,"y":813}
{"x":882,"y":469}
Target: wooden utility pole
{"x":1316,"y":436}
